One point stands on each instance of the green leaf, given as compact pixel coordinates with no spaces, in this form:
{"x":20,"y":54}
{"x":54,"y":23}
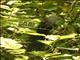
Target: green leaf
{"x":22,"y":58}
{"x":13,"y":46}
{"x":56,"y":37}
{"x":68,"y":36}
{"x":25,"y":31}
{"x":9,"y":43}
{"x":59,"y":56}
{"x":36,"y":34}
{"x":76,"y":57}
{"x":46,"y":42}
{"x":76,"y":49}
{"x":52,"y":37}
{"x":5,"y":7}
{"x":43,"y":53}
{"x":11,"y":2}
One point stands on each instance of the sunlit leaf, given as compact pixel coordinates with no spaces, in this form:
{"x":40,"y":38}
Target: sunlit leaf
{"x":14,"y":10}
{"x":59,"y":56}
{"x":68,"y":36}
{"x":46,"y":42}
{"x":52,"y":37}
{"x":76,"y":57}
{"x":56,"y":37}
{"x":16,"y":51}
{"x":36,"y":34}
{"x":76,"y":49}
{"x":5,"y":7}
{"x":9,"y":43}
{"x":11,"y":2}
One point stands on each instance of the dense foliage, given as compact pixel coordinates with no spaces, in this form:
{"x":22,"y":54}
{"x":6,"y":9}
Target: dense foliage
{"x":40,"y":29}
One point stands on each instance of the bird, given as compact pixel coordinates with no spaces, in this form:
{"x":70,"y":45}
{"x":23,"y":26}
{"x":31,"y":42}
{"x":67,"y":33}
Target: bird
{"x":48,"y":23}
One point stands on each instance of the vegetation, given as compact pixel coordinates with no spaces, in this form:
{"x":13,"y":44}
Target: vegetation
{"x":40,"y":29}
